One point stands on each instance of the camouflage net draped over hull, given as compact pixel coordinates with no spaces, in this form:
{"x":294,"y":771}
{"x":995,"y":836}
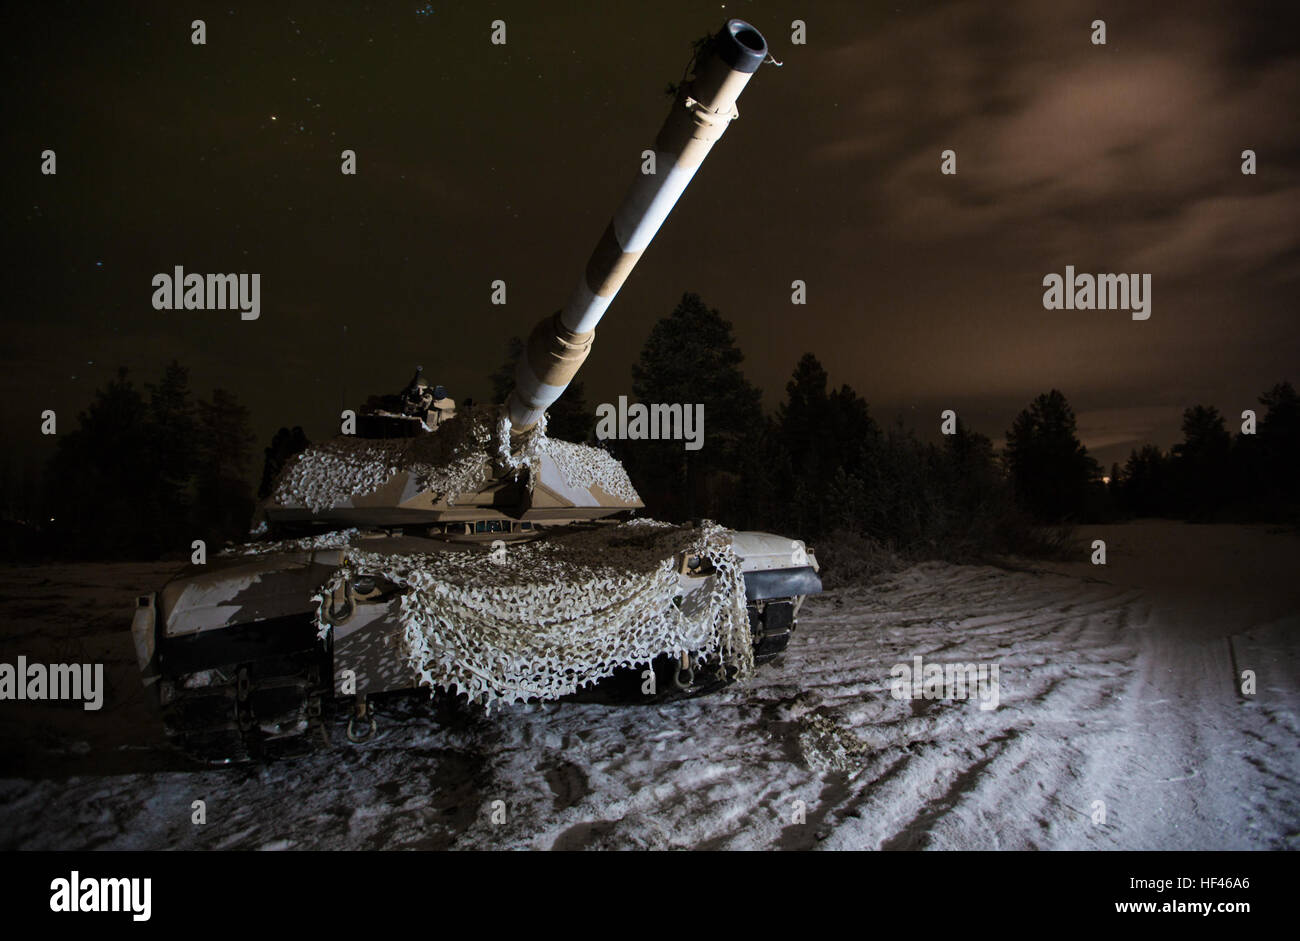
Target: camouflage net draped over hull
{"x":563,"y":613}
{"x":455,"y":459}
{"x":331,"y":540}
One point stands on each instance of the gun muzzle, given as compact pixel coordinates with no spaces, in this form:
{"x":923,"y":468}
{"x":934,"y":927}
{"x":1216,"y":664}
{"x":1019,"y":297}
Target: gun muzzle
{"x":701,"y":112}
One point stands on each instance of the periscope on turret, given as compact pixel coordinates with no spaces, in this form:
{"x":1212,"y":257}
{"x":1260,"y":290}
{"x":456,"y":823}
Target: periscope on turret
{"x":466,"y":551}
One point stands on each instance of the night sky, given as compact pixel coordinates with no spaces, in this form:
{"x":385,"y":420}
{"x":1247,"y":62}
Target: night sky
{"x":478,"y":162}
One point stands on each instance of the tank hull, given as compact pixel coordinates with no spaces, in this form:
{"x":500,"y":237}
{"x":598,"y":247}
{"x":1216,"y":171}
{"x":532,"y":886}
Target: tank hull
{"x":234,"y":657}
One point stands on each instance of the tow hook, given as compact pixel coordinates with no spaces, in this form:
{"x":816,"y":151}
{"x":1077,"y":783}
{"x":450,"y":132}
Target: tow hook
{"x":684,"y":675}
{"x":366,"y":718}
{"x":333,"y":616}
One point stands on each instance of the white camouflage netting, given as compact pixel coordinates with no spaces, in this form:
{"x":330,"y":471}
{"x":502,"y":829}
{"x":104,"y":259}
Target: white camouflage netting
{"x":579,"y":464}
{"x":451,"y":461}
{"x":331,"y":540}
{"x":562,"y":613}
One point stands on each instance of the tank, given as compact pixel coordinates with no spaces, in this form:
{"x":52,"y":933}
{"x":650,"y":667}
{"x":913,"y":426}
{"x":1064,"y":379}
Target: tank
{"x":465,"y":551}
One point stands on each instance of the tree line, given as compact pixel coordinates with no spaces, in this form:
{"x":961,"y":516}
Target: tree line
{"x":1214,"y":474}
{"x":148,"y":470}
{"x":822,"y":468}
{"x":145,"y":472}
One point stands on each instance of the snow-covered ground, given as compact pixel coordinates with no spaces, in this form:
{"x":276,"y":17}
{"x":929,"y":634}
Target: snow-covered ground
{"x":1116,"y":685}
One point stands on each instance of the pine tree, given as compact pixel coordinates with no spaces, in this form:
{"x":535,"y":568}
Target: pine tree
{"x":1145,"y":490}
{"x":102,"y":486}
{"x":171,"y":430}
{"x":691,"y":357}
{"x":1201,"y":461}
{"x":830,"y":443}
{"x":225,"y":498}
{"x":1050,"y":469}
{"x":1279,"y":445}
{"x":283,"y":446}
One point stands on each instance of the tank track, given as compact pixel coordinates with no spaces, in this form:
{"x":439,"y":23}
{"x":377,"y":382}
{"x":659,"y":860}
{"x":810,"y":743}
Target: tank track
{"x":282,"y":706}
{"x":771,"y":623}
{"x":255,"y":711}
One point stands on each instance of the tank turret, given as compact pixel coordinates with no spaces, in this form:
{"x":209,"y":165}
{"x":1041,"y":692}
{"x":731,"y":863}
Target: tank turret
{"x":472,"y":469}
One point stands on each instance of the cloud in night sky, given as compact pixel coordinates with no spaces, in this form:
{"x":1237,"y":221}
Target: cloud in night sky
{"x":1117,"y":158}
{"x":925,"y":290}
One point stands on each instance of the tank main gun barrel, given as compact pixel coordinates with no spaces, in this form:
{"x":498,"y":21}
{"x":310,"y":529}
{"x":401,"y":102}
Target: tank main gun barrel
{"x":703,"y":108}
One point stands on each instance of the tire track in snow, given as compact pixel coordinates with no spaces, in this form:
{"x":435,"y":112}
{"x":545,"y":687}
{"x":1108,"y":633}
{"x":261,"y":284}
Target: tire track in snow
{"x":1101,"y":698}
